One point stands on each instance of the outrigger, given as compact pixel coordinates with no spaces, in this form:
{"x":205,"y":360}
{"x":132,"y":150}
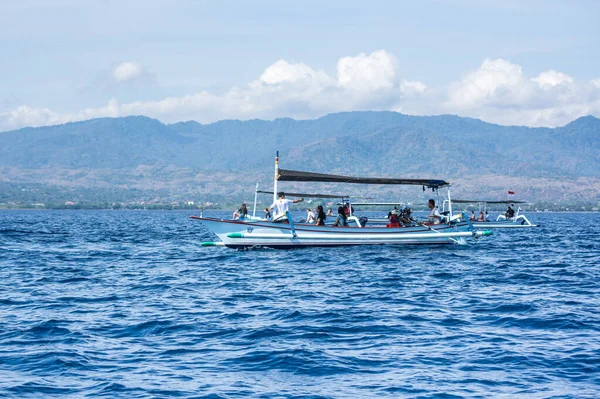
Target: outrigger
{"x":249,"y":233}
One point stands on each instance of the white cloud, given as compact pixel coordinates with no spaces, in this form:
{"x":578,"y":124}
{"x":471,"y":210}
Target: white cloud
{"x":497,"y":91}
{"x":412,"y":87}
{"x":283,"y":72}
{"x":368,"y":72}
{"x":126,"y":71}
{"x":552,"y":78}
{"x":27,"y":116}
{"x":484,"y":83}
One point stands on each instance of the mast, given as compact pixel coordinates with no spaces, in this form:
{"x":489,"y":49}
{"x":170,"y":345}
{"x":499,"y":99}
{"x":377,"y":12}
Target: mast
{"x":275,"y":178}
{"x":449,"y":204}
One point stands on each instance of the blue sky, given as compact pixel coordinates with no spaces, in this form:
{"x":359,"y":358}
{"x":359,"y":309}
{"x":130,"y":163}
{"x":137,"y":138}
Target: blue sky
{"x":534,"y":63}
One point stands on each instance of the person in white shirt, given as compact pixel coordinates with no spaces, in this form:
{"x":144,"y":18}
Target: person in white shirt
{"x":310,"y":217}
{"x":434,"y":214}
{"x":281,"y":206}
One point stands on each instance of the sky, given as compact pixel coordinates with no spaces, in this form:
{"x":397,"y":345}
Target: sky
{"x":532,"y":63}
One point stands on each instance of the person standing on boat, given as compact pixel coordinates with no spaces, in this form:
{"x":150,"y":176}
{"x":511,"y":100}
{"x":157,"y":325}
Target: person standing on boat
{"x":321,"y":216}
{"x":281,"y":207}
{"x":241,"y":213}
{"x":434,"y":214}
{"x":341,"y":219}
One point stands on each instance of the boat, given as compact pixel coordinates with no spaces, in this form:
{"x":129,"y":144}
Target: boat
{"x":518,"y":220}
{"x":250,"y":233}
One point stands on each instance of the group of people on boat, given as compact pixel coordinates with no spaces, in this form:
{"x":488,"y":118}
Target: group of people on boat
{"x":480,"y":218}
{"x":485,"y":217}
{"x":400,"y":217}
{"x":317,"y":217}
{"x":320,"y":216}
{"x":281,"y":207}
{"x":397,"y":217}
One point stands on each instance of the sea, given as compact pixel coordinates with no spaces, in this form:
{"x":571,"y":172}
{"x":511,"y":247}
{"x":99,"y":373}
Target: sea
{"x":127,"y":304}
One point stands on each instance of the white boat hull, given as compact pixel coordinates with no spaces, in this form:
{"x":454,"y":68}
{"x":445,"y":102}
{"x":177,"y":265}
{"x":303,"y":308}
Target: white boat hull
{"x":237,"y":234}
{"x":517,"y":222}
{"x":502,"y":225}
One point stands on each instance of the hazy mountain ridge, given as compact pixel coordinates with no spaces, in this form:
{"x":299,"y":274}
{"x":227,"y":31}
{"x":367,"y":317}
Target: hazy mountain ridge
{"x":143,"y":152}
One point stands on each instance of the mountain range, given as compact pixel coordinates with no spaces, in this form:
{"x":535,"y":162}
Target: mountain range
{"x":228,"y":157}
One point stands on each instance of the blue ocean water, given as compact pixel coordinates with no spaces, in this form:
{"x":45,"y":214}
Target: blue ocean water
{"x":126,"y":304}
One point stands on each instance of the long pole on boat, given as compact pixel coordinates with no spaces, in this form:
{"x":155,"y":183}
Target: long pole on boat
{"x":449,"y":204}
{"x":255,"y":198}
{"x":275,"y":178}
{"x":434,"y":230}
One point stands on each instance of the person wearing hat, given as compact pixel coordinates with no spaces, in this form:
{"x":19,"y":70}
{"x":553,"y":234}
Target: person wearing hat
{"x":281,"y":207}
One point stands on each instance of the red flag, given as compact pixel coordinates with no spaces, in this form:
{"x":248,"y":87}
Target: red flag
{"x":511,"y":192}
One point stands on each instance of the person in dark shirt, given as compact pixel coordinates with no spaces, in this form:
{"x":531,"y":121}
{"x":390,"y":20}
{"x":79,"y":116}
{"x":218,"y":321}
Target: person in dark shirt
{"x":241,"y":213}
{"x":510,"y":212}
{"x":321,"y":216}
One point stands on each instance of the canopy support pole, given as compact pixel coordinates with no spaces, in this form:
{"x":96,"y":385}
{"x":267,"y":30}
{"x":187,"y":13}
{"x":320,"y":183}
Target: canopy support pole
{"x":255,"y":198}
{"x":275,"y":177}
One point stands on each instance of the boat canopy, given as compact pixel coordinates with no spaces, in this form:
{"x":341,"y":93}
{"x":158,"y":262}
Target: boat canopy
{"x":460,"y":201}
{"x":294,"y":175}
{"x":302,"y":195}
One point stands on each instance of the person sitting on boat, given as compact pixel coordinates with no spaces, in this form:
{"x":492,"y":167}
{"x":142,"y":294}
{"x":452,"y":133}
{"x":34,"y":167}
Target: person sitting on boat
{"x":404,"y":215}
{"x":434,"y":214}
{"x":480,"y":217}
{"x":487,"y":217}
{"x":341,"y":219}
{"x":349,"y":210}
{"x":472,"y":217}
{"x":267,"y":214}
{"x":509,"y":212}
{"x":393,"y":218}
{"x":310,"y":216}
{"x":241,"y":213}
{"x":281,"y":207}
{"x":321,"y":216}
{"x":329,"y":212}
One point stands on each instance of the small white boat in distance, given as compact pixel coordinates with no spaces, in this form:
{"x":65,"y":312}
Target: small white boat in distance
{"x":503,"y":221}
